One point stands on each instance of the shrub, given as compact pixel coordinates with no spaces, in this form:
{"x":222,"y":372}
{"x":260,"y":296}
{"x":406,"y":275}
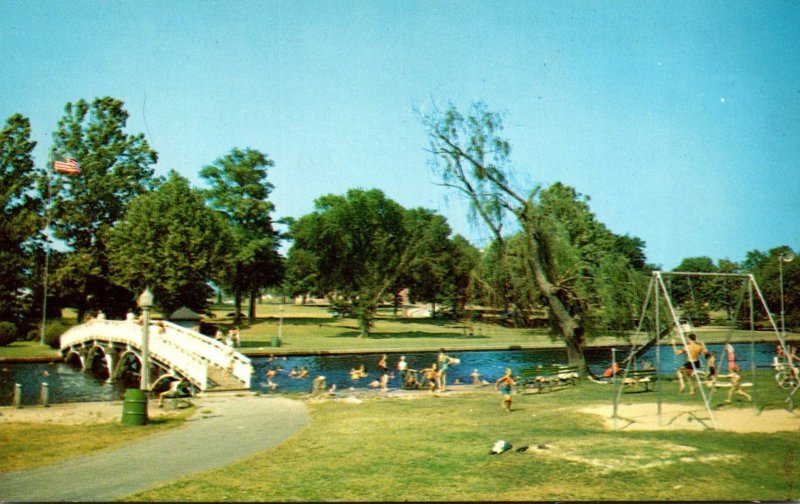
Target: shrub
{"x":8,"y":333}
{"x":53,"y":333}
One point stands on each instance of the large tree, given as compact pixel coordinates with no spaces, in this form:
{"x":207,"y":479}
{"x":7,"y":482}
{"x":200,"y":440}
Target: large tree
{"x":170,"y":241}
{"x":115,"y":168}
{"x":360,"y":244}
{"x":240,"y":191}
{"x":19,"y":220}
{"x":558,"y":250}
{"x":767,"y":268}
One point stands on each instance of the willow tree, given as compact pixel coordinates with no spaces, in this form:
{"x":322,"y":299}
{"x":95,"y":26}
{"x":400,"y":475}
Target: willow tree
{"x":562,"y":250}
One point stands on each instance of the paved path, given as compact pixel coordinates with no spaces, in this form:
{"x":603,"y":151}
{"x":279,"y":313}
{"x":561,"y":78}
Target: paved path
{"x":224,"y":430}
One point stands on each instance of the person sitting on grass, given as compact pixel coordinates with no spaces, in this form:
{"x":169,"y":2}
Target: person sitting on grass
{"x":692,"y":350}
{"x":504,"y":384}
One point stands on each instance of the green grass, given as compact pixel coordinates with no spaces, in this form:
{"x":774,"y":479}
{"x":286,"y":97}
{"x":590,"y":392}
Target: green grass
{"x":27,"y":350}
{"x":313,"y":329}
{"x":436,"y":448}
{"x":29,"y":445}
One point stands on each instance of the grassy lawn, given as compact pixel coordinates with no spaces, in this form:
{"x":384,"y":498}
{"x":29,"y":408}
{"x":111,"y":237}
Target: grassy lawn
{"x":26,"y":446}
{"x":313,"y":329}
{"x":436,"y":448}
{"x":28,"y":349}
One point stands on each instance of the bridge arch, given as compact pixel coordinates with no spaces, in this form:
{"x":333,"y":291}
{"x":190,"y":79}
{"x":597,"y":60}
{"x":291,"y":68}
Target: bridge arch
{"x":114,"y":347}
{"x":98,"y":361}
{"x":74,"y":357}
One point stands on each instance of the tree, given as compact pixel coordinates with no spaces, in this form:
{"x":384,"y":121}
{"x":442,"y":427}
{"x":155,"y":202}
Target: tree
{"x":20,"y":221}
{"x":462,"y":260}
{"x":766,"y":268}
{"x":430,"y":266}
{"x":560,"y":252}
{"x":170,"y":241}
{"x":115,"y":167}
{"x":694,"y":294}
{"x":240,"y":191}
{"x":361,"y":244}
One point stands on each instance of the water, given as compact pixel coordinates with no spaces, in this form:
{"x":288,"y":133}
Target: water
{"x":69,"y":384}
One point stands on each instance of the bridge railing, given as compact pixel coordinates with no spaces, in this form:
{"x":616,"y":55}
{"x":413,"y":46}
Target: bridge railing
{"x":128,"y":333}
{"x":213,"y":351}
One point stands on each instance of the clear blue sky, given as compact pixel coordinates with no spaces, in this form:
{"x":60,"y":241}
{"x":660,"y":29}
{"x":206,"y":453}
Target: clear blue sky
{"x":681,"y":120}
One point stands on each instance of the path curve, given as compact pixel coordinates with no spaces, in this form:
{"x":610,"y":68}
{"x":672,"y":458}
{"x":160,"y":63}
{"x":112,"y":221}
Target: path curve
{"x":223,"y":430}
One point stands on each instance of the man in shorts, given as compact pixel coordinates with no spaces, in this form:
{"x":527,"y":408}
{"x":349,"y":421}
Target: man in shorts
{"x":693,"y":350}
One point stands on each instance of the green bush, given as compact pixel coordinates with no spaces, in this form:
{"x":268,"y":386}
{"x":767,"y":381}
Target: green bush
{"x":8,"y":333}
{"x":53,"y":333}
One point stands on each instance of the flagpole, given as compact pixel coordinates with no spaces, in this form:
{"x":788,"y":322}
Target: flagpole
{"x":47,"y":251}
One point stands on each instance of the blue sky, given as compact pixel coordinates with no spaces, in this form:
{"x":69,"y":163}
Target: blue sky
{"x":681,"y":120}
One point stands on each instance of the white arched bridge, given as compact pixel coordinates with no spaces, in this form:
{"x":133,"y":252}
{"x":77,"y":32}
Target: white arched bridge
{"x":173,"y":351}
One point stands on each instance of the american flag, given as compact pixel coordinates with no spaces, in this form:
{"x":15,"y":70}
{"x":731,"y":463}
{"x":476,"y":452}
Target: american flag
{"x":70,"y":166}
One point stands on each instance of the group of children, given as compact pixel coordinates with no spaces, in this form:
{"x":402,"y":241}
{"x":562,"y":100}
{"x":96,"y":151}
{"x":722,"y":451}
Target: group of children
{"x":232,"y":339}
{"x":693,"y":351}
{"x":433,"y":377}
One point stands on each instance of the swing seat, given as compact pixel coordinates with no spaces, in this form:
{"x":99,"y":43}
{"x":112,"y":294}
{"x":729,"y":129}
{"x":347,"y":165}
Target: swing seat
{"x":724,"y":381}
{"x":639,"y":379}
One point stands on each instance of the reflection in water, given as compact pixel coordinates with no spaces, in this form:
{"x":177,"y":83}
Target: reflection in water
{"x":70,"y":384}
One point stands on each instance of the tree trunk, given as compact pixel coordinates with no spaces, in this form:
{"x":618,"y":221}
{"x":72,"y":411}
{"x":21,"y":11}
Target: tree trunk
{"x":569,"y":328}
{"x":238,"y":307}
{"x":251,"y":315}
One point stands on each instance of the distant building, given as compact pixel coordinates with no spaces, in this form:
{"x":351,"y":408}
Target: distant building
{"x":187,"y":318}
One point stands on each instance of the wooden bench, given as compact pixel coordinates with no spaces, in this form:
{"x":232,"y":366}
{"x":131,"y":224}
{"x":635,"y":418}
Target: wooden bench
{"x":544,"y":378}
{"x":639,"y":380}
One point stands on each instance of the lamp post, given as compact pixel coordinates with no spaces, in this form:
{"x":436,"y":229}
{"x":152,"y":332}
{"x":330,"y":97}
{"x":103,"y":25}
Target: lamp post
{"x":145,"y":302}
{"x":782,"y":258}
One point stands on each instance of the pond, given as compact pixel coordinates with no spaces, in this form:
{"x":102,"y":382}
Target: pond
{"x":69,"y":384}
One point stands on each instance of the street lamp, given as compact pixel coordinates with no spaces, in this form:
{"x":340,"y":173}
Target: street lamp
{"x":145,"y":302}
{"x":783,"y":257}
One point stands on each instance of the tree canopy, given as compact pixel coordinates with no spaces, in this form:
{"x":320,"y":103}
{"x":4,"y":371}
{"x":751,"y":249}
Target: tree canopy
{"x":564,"y":251}
{"x":115,"y":168}
{"x":19,"y":221}
{"x":170,"y":241}
{"x":240,"y":191}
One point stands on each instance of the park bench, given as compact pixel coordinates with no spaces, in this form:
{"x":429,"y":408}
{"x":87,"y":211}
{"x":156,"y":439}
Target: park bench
{"x":546,"y":377}
{"x":639,"y":380}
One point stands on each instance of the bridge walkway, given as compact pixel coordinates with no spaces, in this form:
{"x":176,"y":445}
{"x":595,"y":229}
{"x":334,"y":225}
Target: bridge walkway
{"x":173,"y":350}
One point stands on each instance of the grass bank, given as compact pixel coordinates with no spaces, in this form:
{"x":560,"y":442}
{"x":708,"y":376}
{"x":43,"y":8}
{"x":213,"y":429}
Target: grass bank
{"x":312,"y":329}
{"x":29,"y":445}
{"x":430,"y":448}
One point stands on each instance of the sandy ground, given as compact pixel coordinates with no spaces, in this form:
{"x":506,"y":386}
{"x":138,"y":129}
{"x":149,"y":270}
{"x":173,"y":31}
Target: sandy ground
{"x":642,"y":416}
{"x":695,"y":417}
{"x":75,"y":413}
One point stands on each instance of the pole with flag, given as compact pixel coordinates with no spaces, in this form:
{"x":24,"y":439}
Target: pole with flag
{"x":67,"y":167}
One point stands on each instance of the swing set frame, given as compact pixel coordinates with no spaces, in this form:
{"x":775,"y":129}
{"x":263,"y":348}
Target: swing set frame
{"x":657,"y":289}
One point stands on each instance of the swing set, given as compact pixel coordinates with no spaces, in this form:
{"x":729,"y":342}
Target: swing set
{"x":658,"y":293}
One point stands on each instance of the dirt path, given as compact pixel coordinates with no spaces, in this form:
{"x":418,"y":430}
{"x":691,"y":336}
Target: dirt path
{"x":224,"y":429}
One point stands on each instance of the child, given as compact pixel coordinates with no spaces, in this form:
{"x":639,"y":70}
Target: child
{"x":504,"y":384}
